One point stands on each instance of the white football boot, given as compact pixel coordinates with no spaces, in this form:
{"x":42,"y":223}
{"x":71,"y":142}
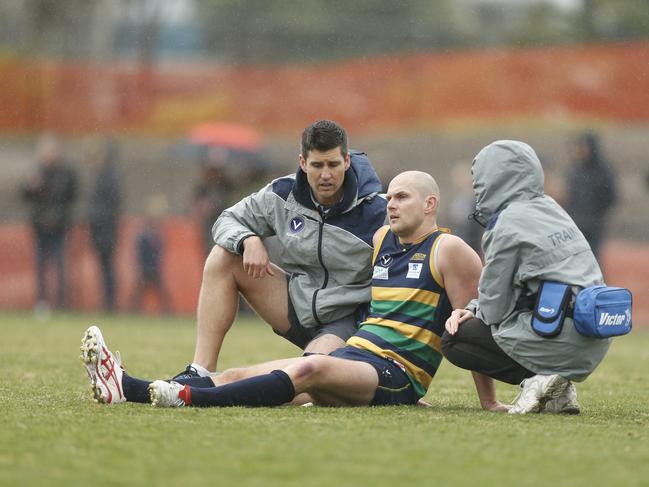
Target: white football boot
{"x":168,"y":394}
{"x":536,"y":392}
{"x":104,"y":368}
{"x":566,"y":403}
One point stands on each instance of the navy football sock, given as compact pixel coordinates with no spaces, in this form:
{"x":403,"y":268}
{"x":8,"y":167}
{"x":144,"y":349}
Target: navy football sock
{"x":271,"y":389}
{"x":135,"y":390}
{"x":198,"y":382}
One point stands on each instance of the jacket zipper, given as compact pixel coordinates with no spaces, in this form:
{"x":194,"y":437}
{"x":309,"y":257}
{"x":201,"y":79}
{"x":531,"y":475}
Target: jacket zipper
{"x":326,"y":272}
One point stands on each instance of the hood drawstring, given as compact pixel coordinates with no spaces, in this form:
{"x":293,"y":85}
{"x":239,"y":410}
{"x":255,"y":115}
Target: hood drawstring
{"x":476,"y":216}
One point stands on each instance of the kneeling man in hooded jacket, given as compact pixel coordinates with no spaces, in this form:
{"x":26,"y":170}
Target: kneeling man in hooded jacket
{"x":528,"y":239}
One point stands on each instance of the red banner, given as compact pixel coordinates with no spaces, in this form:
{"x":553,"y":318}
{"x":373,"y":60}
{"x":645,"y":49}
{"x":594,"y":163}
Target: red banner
{"x":598,"y":81}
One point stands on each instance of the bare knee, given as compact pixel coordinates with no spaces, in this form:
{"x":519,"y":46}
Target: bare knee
{"x":308,"y":370}
{"x":219,"y":261}
{"x":326,"y":343}
{"x":231,"y":375}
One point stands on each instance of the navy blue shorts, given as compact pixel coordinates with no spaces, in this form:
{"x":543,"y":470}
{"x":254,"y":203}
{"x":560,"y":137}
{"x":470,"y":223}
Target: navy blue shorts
{"x":394,"y":385}
{"x":301,"y":336}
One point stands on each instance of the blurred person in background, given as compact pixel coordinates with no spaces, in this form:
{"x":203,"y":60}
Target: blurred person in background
{"x":103,"y":214}
{"x":555,"y":183}
{"x":592,"y":190}
{"x":149,"y":252}
{"x":461,"y":205}
{"x":211,"y":195}
{"x":50,"y":194}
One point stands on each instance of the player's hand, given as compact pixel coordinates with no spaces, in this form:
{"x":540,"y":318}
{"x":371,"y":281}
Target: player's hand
{"x":255,"y":258}
{"x":496,"y":407}
{"x":457,"y":317}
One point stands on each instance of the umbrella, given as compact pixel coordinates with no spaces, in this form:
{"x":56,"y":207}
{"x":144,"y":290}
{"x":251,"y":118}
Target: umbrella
{"x":227,"y":135}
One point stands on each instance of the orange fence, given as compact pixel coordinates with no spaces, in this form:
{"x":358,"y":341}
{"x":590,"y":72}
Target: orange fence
{"x":601,"y":81}
{"x":626,"y":264}
{"x":182,"y":266}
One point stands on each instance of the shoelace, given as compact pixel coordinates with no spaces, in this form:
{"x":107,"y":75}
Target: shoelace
{"x":520,"y":392}
{"x":189,"y":371}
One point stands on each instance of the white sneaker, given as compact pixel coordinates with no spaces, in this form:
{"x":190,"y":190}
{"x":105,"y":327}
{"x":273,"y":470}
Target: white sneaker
{"x":104,"y":368}
{"x":566,"y":403}
{"x":168,"y":394}
{"x":536,"y":392}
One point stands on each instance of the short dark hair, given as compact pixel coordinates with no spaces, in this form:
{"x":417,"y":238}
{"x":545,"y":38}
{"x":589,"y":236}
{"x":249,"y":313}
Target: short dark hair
{"x":322,"y":136}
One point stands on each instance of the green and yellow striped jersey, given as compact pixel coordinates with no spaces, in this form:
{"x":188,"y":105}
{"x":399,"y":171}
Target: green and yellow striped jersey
{"x":409,"y":307}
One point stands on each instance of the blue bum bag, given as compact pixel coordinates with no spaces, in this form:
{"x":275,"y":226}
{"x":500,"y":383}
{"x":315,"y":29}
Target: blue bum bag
{"x":598,"y":311}
{"x":602,"y":311}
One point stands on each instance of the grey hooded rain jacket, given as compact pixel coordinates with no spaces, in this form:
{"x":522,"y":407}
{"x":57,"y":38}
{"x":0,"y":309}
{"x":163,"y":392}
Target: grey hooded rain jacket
{"x":328,"y":257}
{"x":529,"y":238}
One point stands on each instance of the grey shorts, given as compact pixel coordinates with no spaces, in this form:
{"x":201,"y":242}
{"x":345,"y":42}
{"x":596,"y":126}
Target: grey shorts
{"x":301,"y":336}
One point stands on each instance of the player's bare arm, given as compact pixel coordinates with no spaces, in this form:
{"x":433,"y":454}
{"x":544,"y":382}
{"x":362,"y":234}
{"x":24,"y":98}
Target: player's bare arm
{"x":379,"y":234}
{"x":460,"y":267}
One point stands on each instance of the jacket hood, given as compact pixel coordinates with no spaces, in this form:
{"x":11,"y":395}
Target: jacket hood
{"x":366,"y":177}
{"x":360,"y":181}
{"x":503,"y":172}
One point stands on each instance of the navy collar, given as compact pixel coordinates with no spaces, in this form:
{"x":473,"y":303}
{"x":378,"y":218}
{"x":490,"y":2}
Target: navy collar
{"x":302,"y":193}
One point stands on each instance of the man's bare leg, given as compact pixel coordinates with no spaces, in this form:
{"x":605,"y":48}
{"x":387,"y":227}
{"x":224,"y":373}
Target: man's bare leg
{"x":321,"y":345}
{"x":239,"y":373}
{"x":223,"y":279}
{"x":325,"y":380}
{"x":333,"y":381}
{"x":325,"y":344}
{"x":330,"y":381}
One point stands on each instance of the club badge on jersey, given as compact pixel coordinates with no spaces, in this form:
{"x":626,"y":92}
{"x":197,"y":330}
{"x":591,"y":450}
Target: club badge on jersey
{"x":381,"y":267}
{"x":414,"y":270}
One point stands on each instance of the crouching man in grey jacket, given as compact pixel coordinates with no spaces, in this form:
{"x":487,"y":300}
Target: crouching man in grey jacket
{"x":324,"y":218}
{"x":529,"y":239}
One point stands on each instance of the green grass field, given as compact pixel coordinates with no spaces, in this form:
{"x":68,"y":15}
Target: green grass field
{"x":52,"y":433}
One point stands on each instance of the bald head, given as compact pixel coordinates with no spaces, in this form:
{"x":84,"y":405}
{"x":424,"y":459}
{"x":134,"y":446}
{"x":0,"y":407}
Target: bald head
{"x":413,"y":197}
{"x":420,"y":181}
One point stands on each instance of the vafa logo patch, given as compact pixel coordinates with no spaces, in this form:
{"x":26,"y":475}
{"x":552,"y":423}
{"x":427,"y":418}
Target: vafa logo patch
{"x":296,"y":225}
